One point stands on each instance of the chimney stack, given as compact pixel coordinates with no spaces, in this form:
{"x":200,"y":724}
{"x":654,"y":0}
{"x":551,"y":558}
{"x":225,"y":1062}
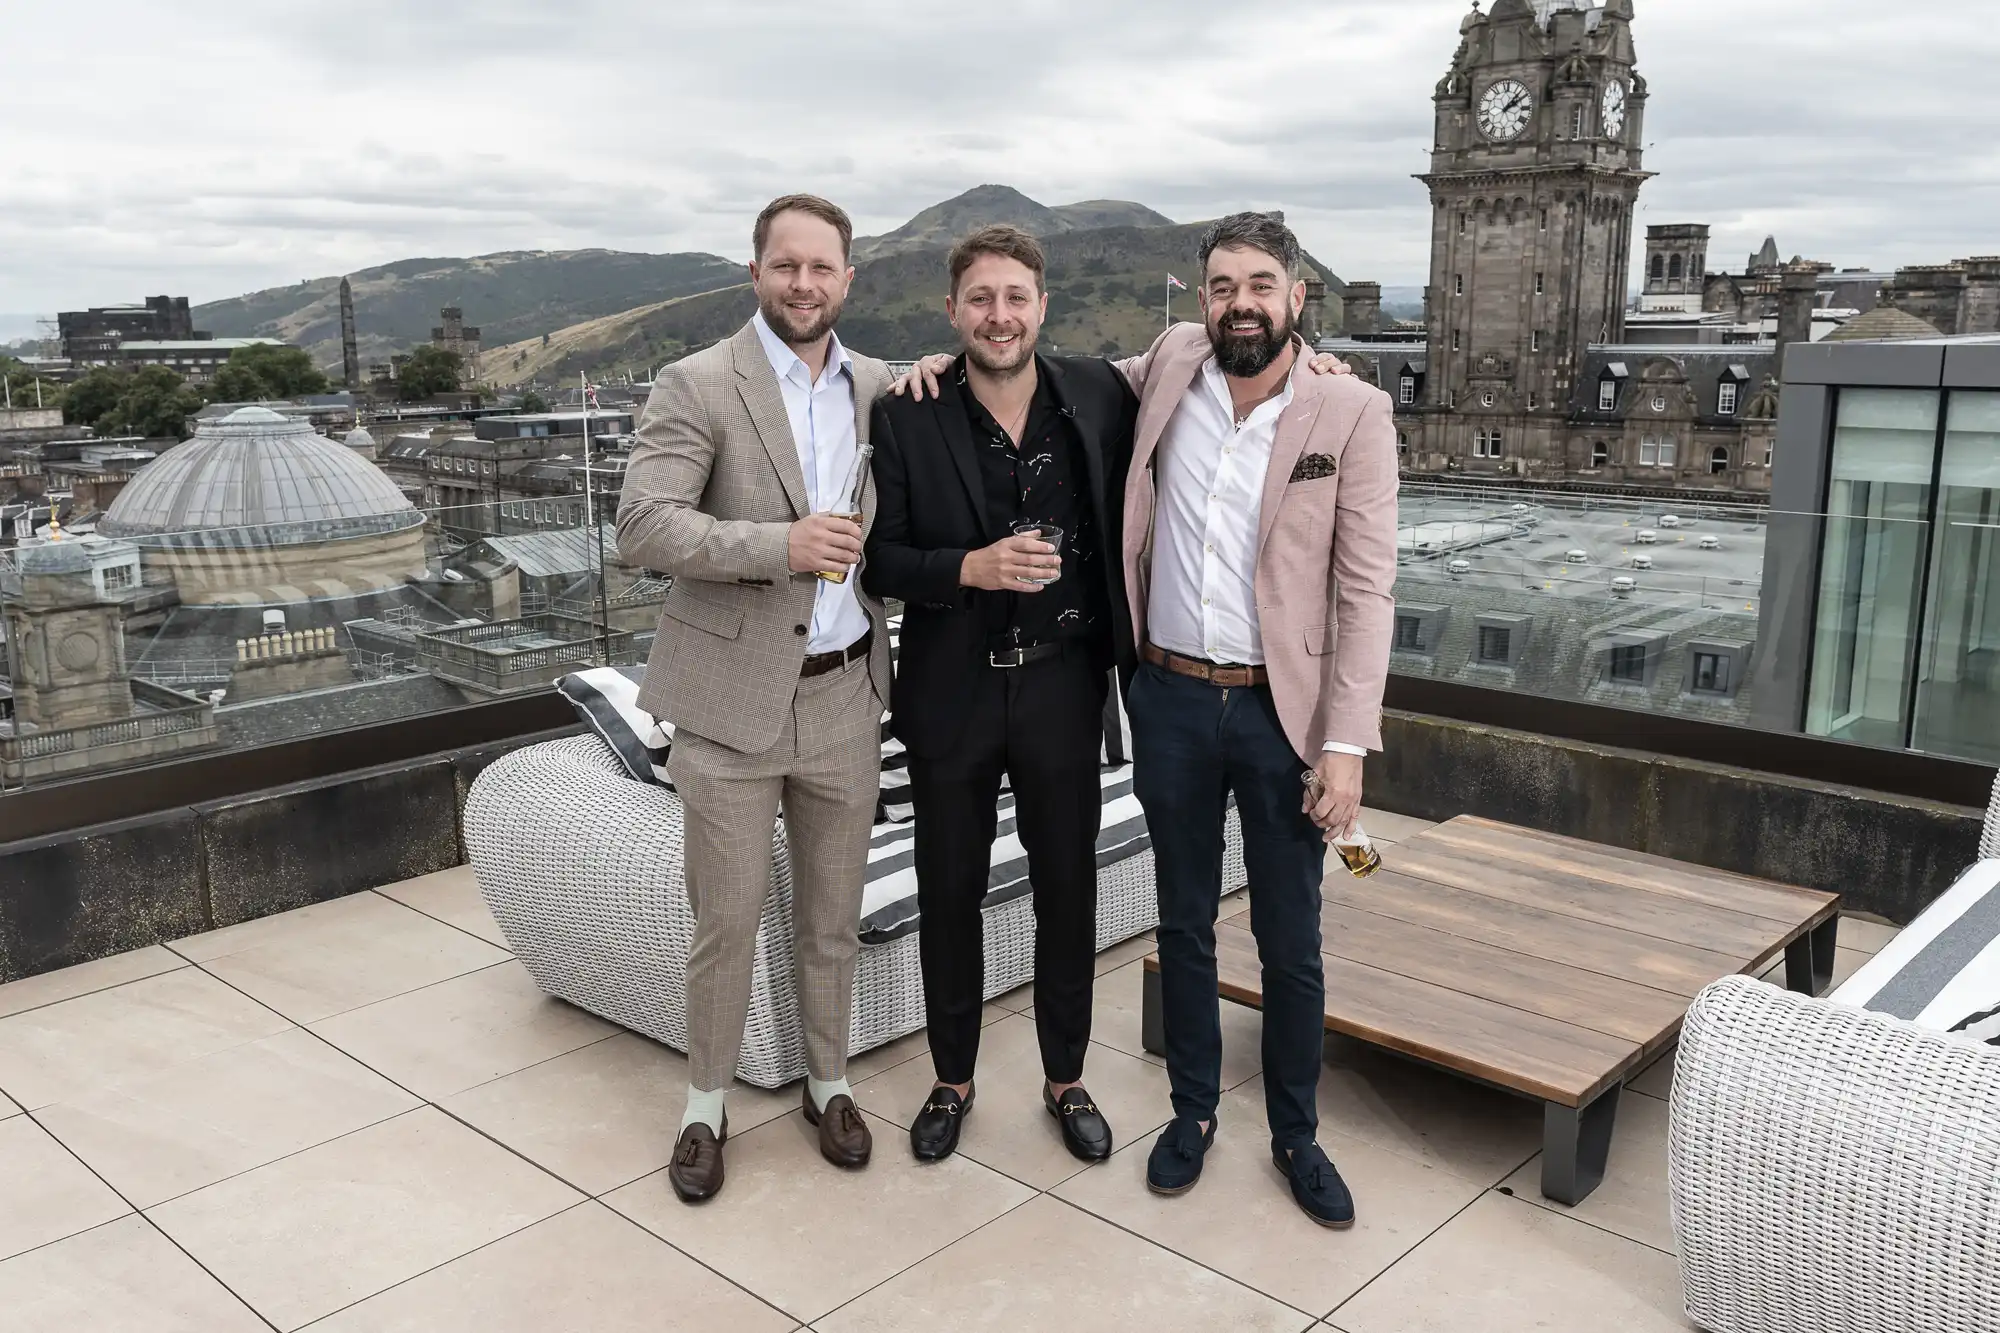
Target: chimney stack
{"x":1362,"y":308}
{"x":1798,"y":293}
{"x":1979,"y":303}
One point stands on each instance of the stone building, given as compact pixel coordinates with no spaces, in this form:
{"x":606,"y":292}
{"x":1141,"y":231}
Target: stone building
{"x":453,"y":336}
{"x":88,"y":336}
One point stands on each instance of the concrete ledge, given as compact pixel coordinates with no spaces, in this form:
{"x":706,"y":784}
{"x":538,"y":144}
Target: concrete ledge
{"x":72,"y":898}
{"x":1886,"y":855}
{"x":295,"y":846}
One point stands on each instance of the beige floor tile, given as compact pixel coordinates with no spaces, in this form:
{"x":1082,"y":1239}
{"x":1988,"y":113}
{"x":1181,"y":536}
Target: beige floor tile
{"x":1507,"y":1264}
{"x":453,"y":897}
{"x":861,"y":1068}
{"x":1234,"y":905}
{"x":7,"y":1107}
{"x":1016,"y":1000}
{"x":1268,"y":1243}
{"x":102,"y":974}
{"x":808,"y":1237}
{"x":1426,"y":1114}
{"x":1118,"y":955}
{"x":45,"y":1193}
{"x":606,"y":1114}
{"x":587,"y":1268}
{"x":222,"y":1114}
{"x":121,"y":1278}
{"x":125,"y":1034}
{"x":1009,"y":1128}
{"x":338,"y":956}
{"x":1633,"y":1201}
{"x":317,"y":1231}
{"x":1048,"y":1265}
{"x":1864,"y":935}
{"x":463,"y":1032}
{"x":1383,"y":826}
{"x":1115,"y":1022}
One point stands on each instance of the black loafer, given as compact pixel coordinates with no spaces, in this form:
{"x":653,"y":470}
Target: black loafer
{"x":934,"y":1133}
{"x":1175,"y":1163}
{"x":1085,"y":1131}
{"x":1316,"y":1185}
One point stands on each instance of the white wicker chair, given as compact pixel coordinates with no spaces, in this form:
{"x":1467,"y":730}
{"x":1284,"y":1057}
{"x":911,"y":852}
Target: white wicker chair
{"x":1833,"y":1170}
{"x":1989,"y":838}
{"x":582,"y":868}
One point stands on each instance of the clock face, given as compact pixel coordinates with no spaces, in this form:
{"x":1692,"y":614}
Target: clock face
{"x":1506,"y":109}
{"x":1614,"y":110}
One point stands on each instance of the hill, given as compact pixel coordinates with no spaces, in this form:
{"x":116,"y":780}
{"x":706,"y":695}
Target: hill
{"x":1107,"y":294}
{"x":508,"y":296}
{"x":941,"y":224}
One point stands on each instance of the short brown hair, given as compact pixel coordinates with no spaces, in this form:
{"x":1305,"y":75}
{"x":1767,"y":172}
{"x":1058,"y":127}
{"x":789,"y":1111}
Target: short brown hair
{"x":811,"y":204}
{"x":1004,"y":241}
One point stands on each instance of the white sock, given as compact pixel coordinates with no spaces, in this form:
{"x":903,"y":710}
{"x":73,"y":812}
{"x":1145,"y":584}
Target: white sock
{"x":704,"y":1108}
{"x":824,"y":1092}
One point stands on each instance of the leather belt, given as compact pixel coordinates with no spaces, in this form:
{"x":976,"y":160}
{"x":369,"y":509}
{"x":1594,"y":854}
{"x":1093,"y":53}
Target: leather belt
{"x":818,"y":664}
{"x":1224,"y":676}
{"x":1010,"y":658}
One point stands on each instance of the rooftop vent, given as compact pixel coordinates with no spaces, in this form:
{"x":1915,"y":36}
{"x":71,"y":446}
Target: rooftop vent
{"x":1647,"y":537}
{"x":1623,"y":585}
{"x":1710,"y":543}
{"x":1458,"y":568}
{"x":1577,"y":556}
{"x":1642,"y":562}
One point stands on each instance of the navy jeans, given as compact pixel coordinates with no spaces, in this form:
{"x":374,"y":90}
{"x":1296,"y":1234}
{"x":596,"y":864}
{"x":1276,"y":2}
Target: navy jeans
{"x":1193,"y":745}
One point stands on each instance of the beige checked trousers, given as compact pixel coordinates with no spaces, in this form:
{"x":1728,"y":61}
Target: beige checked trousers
{"x":825,"y":771}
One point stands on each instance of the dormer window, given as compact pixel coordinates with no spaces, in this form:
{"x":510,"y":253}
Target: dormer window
{"x":1406,"y":390}
{"x":1725,"y":399}
{"x":1607,"y":395}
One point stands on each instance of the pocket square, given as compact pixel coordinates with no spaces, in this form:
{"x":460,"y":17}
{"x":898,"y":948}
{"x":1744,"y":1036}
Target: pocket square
{"x":1312,"y":467}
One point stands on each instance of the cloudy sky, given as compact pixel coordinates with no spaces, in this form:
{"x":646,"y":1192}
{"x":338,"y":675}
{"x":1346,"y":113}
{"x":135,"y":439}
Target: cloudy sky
{"x":210,"y":147}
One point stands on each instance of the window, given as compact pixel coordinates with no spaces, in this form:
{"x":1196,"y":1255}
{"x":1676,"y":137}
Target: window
{"x":1402,"y":442}
{"x":1486,"y":443}
{"x":1540,"y":286}
{"x":1406,"y":390}
{"x":1607,"y":395}
{"x":1710,"y":675}
{"x":1767,"y":453}
{"x":1488,"y":399}
{"x":1725,"y":399}
{"x":118,"y":577}
{"x":1535,"y":341}
{"x":1545,"y":219}
{"x":1494,"y":643}
{"x":1674,"y":269}
{"x":1409,"y":634}
{"x":1461,"y":284}
{"x":1576,"y":124}
{"x":1600,"y":454}
{"x":1461,"y":224}
{"x":1655,"y":452}
{"x":1532,"y":400}
{"x":1659,"y":267}
{"x":1456,"y":342}
{"x":1659,"y":402}
{"x":1628,"y":664}
{"x":1718,"y":460}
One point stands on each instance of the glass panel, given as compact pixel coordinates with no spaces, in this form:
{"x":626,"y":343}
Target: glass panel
{"x":1864,"y":634}
{"x":1958,"y":690}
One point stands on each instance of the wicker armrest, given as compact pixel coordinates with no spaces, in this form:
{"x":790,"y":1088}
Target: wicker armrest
{"x":1832,"y":1170}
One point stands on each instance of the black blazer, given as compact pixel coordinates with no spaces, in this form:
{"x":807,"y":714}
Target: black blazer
{"x":930,"y":511}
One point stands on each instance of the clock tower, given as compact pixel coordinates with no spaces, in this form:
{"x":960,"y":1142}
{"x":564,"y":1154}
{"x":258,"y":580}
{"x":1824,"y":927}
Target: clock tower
{"x":1535,"y":172}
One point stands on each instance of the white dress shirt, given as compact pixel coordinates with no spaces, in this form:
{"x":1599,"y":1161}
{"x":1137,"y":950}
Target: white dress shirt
{"x":822,"y":417}
{"x":1202,"y":599}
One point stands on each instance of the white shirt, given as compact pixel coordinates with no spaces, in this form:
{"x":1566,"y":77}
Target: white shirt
{"x":1202,"y":600}
{"x":822,"y":417}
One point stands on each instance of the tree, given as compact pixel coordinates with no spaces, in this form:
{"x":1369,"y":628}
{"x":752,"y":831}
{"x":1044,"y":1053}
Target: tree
{"x":156,"y":404}
{"x":23,"y":384}
{"x":428,"y":372}
{"x":93,"y":397}
{"x":533,"y":402}
{"x":264,"y":371}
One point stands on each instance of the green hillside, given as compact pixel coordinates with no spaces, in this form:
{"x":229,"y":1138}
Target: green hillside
{"x":509,"y":296}
{"x":941,"y":224}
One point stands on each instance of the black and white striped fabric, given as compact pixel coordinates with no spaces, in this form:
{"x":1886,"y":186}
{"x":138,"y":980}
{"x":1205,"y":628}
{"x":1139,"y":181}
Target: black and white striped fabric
{"x":1942,"y":971}
{"x":606,"y":699}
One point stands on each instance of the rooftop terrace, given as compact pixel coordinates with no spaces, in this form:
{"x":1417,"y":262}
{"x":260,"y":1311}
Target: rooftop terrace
{"x":362,"y":1115}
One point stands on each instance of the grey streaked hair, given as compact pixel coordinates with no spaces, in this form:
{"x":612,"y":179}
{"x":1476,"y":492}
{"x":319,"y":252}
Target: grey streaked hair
{"x":1257,"y":231}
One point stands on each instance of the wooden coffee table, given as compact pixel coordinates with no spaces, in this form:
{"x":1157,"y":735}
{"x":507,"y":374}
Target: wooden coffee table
{"x":1544,"y":965}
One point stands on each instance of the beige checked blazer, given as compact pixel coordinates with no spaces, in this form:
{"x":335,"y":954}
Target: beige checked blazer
{"x":713,"y":487}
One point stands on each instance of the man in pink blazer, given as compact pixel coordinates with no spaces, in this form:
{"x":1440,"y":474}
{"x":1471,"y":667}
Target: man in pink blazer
{"x":1259,"y":541}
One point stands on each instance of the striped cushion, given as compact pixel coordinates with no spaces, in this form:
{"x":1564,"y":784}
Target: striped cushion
{"x":606,"y":699}
{"x":1943,"y":971}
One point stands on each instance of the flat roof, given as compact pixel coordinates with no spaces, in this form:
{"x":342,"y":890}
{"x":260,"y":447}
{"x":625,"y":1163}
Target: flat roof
{"x":198,"y":344}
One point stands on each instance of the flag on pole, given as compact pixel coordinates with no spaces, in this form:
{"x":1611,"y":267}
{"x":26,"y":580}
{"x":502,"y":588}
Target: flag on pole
{"x":1176,"y":283}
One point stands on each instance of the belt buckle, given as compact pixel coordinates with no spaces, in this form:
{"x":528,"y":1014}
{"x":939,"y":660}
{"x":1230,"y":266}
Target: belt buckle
{"x":998,"y":659}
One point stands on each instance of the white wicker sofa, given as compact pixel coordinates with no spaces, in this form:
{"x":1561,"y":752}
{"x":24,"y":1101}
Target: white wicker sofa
{"x":581,"y":866}
{"x":1835,"y":1163}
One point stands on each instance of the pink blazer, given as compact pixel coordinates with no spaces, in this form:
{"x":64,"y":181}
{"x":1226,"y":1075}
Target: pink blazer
{"x":1326,"y":548}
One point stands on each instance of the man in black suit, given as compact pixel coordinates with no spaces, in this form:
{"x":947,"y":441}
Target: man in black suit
{"x":1005,"y":659}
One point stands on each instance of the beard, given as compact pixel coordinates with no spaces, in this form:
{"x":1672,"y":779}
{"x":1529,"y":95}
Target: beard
{"x":794,"y":328}
{"x":1001,"y":364}
{"x":1246,"y":355}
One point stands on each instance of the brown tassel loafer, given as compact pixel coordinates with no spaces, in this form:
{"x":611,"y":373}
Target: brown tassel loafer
{"x":696,"y":1171}
{"x":844,"y":1139}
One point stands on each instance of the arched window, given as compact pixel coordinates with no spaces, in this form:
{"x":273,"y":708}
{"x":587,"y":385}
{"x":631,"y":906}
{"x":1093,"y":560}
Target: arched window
{"x":1674,"y":269}
{"x":1600,"y":454}
{"x":1659,"y":267}
{"x":1718,"y":461}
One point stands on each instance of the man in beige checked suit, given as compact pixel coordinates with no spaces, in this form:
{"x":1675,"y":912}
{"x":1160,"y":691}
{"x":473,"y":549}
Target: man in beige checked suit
{"x":772,"y":678}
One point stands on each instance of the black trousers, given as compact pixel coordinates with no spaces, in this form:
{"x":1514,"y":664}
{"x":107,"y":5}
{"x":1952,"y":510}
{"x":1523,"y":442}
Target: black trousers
{"x":1041,"y":725}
